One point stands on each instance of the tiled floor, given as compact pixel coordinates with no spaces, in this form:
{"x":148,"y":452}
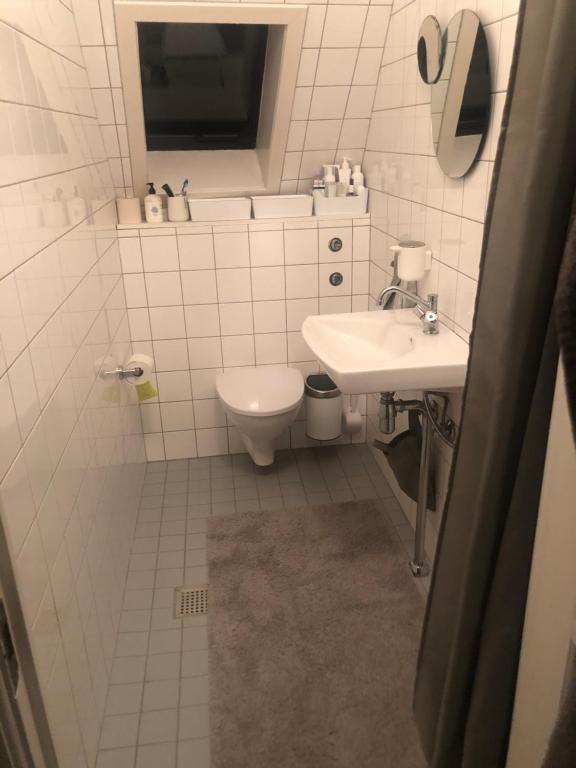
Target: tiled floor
{"x":157,"y":705}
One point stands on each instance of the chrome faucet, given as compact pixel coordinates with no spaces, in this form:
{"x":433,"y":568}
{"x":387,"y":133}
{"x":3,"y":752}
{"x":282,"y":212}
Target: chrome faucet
{"x":427,"y":310}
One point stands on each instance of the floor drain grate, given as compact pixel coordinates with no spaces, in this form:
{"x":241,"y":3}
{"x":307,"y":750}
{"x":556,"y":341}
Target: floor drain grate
{"x":190,"y":601}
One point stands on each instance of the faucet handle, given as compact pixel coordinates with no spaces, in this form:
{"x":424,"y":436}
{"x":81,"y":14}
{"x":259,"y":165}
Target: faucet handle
{"x":432,"y":300}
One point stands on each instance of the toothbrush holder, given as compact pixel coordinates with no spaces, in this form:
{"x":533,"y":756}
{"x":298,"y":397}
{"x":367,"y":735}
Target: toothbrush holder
{"x":178,"y":208}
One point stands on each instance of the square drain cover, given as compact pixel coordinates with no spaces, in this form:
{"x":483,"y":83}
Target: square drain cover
{"x":190,"y":601}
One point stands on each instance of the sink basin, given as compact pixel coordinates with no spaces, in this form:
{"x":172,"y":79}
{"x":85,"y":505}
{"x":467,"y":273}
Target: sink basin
{"x":385,"y":350}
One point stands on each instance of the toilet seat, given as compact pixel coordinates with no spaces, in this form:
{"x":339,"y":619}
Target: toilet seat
{"x":266,"y":391}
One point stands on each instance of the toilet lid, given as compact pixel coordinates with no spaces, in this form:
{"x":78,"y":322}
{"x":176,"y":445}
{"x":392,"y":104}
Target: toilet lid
{"x":261,"y":391}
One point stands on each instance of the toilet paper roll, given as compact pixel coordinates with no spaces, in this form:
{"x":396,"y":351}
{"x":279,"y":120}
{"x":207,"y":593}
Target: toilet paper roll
{"x":145,"y":362}
{"x":352,"y":422}
{"x":145,"y":390}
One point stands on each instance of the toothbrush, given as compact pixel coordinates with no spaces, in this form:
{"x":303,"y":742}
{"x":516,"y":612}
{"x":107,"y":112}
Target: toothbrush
{"x":168,"y":190}
{"x":184,"y":187}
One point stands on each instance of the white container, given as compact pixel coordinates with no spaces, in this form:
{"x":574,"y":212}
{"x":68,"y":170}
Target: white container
{"x":413,"y":259}
{"x":342,"y":206}
{"x":177,"y":208}
{"x":282,"y":206}
{"x":219,"y":208}
{"x":129,"y":210}
{"x":358,"y":177}
{"x":344,"y":173}
{"x":153,"y":209}
{"x":323,"y":407}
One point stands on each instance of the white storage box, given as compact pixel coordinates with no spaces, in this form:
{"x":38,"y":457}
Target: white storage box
{"x":282,"y":206}
{"x":341,"y":206}
{"x":219,"y":208}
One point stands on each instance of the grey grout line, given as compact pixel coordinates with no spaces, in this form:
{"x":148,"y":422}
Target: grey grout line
{"x":36,"y":40}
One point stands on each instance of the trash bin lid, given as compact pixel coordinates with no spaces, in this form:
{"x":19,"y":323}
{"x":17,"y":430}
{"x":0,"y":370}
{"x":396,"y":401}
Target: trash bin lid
{"x":320,"y":385}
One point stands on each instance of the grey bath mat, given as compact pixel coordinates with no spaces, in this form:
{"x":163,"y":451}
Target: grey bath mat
{"x":314,"y":625}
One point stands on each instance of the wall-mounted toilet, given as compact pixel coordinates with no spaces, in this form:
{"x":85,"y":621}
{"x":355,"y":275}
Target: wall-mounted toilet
{"x":262,"y":403}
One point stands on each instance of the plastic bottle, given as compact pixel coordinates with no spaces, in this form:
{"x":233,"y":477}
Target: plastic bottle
{"x":153,"y":206}
{"x":344,"y":173}
{"x":358,"y":177}
{"x":329,"y":181}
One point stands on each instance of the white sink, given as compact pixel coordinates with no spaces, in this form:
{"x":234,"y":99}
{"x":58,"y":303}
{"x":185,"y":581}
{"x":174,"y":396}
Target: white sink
{"x":385,"y":350}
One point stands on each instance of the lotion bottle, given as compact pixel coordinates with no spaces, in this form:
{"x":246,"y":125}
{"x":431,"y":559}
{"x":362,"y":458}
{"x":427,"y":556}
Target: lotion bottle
{"x":344,"y":173}
{"x":153,"y":206}
{"x":358,"y":177}
{"x":329,"y":181}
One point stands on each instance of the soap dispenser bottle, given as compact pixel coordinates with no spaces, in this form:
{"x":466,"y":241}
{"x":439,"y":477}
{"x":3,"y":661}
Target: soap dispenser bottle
{"x":153,"y":206}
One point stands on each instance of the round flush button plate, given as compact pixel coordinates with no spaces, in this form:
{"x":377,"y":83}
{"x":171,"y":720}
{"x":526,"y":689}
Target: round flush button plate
{"x":336,"y":278}
{"x":335,"y":245}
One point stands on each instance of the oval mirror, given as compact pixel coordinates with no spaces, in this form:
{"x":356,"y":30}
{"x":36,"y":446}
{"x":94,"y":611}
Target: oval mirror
{"x":460,"y":99}
{"x":429,"y":50}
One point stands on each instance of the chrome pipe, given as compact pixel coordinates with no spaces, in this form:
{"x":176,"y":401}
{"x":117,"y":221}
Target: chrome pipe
{"x":418,"y":564}
{"x":387,"y":413}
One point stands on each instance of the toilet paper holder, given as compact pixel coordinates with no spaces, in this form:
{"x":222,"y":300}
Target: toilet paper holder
{"x":123,"y":373}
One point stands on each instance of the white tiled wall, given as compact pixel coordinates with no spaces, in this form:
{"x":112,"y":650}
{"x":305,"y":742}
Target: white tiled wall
{"x":66,"y":436}
{"x":339,"y":65}
{"x":410,"y":197}
{"x":202,"y":299}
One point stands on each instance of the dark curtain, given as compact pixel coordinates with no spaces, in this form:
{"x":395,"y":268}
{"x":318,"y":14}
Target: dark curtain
{"x":472,"y":634}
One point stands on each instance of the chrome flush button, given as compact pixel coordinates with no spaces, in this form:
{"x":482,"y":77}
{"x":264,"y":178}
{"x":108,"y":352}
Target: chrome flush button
{"x":335,"y":245}
{"x":336,"y":278}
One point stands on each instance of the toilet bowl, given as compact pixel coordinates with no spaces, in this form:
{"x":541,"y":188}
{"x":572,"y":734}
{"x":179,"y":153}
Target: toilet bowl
{"x":262,"y":403}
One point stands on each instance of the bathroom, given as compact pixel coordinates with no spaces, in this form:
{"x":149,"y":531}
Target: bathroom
{"x":286,"y":439}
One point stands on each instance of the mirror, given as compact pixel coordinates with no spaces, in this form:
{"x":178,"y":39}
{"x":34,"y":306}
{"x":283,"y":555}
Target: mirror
{"x":460,"y":95}
{"x":430,"y":50}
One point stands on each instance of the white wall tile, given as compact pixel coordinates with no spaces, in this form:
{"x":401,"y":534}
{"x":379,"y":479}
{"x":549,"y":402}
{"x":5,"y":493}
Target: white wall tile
{"x":269,"y":316}
{"x":159,"y":254}
{"x":314,"y":26}
{"x":236,"y":319}
{"x":308,"y":65}
{"x":231,"y":250}
{"x":179,"y":445}
{"x":212,"y":442}
{"x":344,"y":25}
{"x":301,"y":282}
{"x":167,"y":322}
{"x":202,"y":320}
{"x":268,"y":283}
{"x":131,"y":254}
{"x":209,"y":413}
{"x":233,"y":285}
{"x":301,"y":246}
{"x":11,"y":440}
{"x":271,"y":348}
{"x":174,"y":386}
{"x":329,"y":103}
{"x":199,"y":287}
{"x":266,"y":248}
{"x":196,"y":251}
{"x":237,"y":350}
{"x":336,"y":66}
{"x":297,"y":310}
{"x":163,"y":289}
{"x":205,"y":353}
{"x":171,"y":355}
{"x":177,"y":416}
